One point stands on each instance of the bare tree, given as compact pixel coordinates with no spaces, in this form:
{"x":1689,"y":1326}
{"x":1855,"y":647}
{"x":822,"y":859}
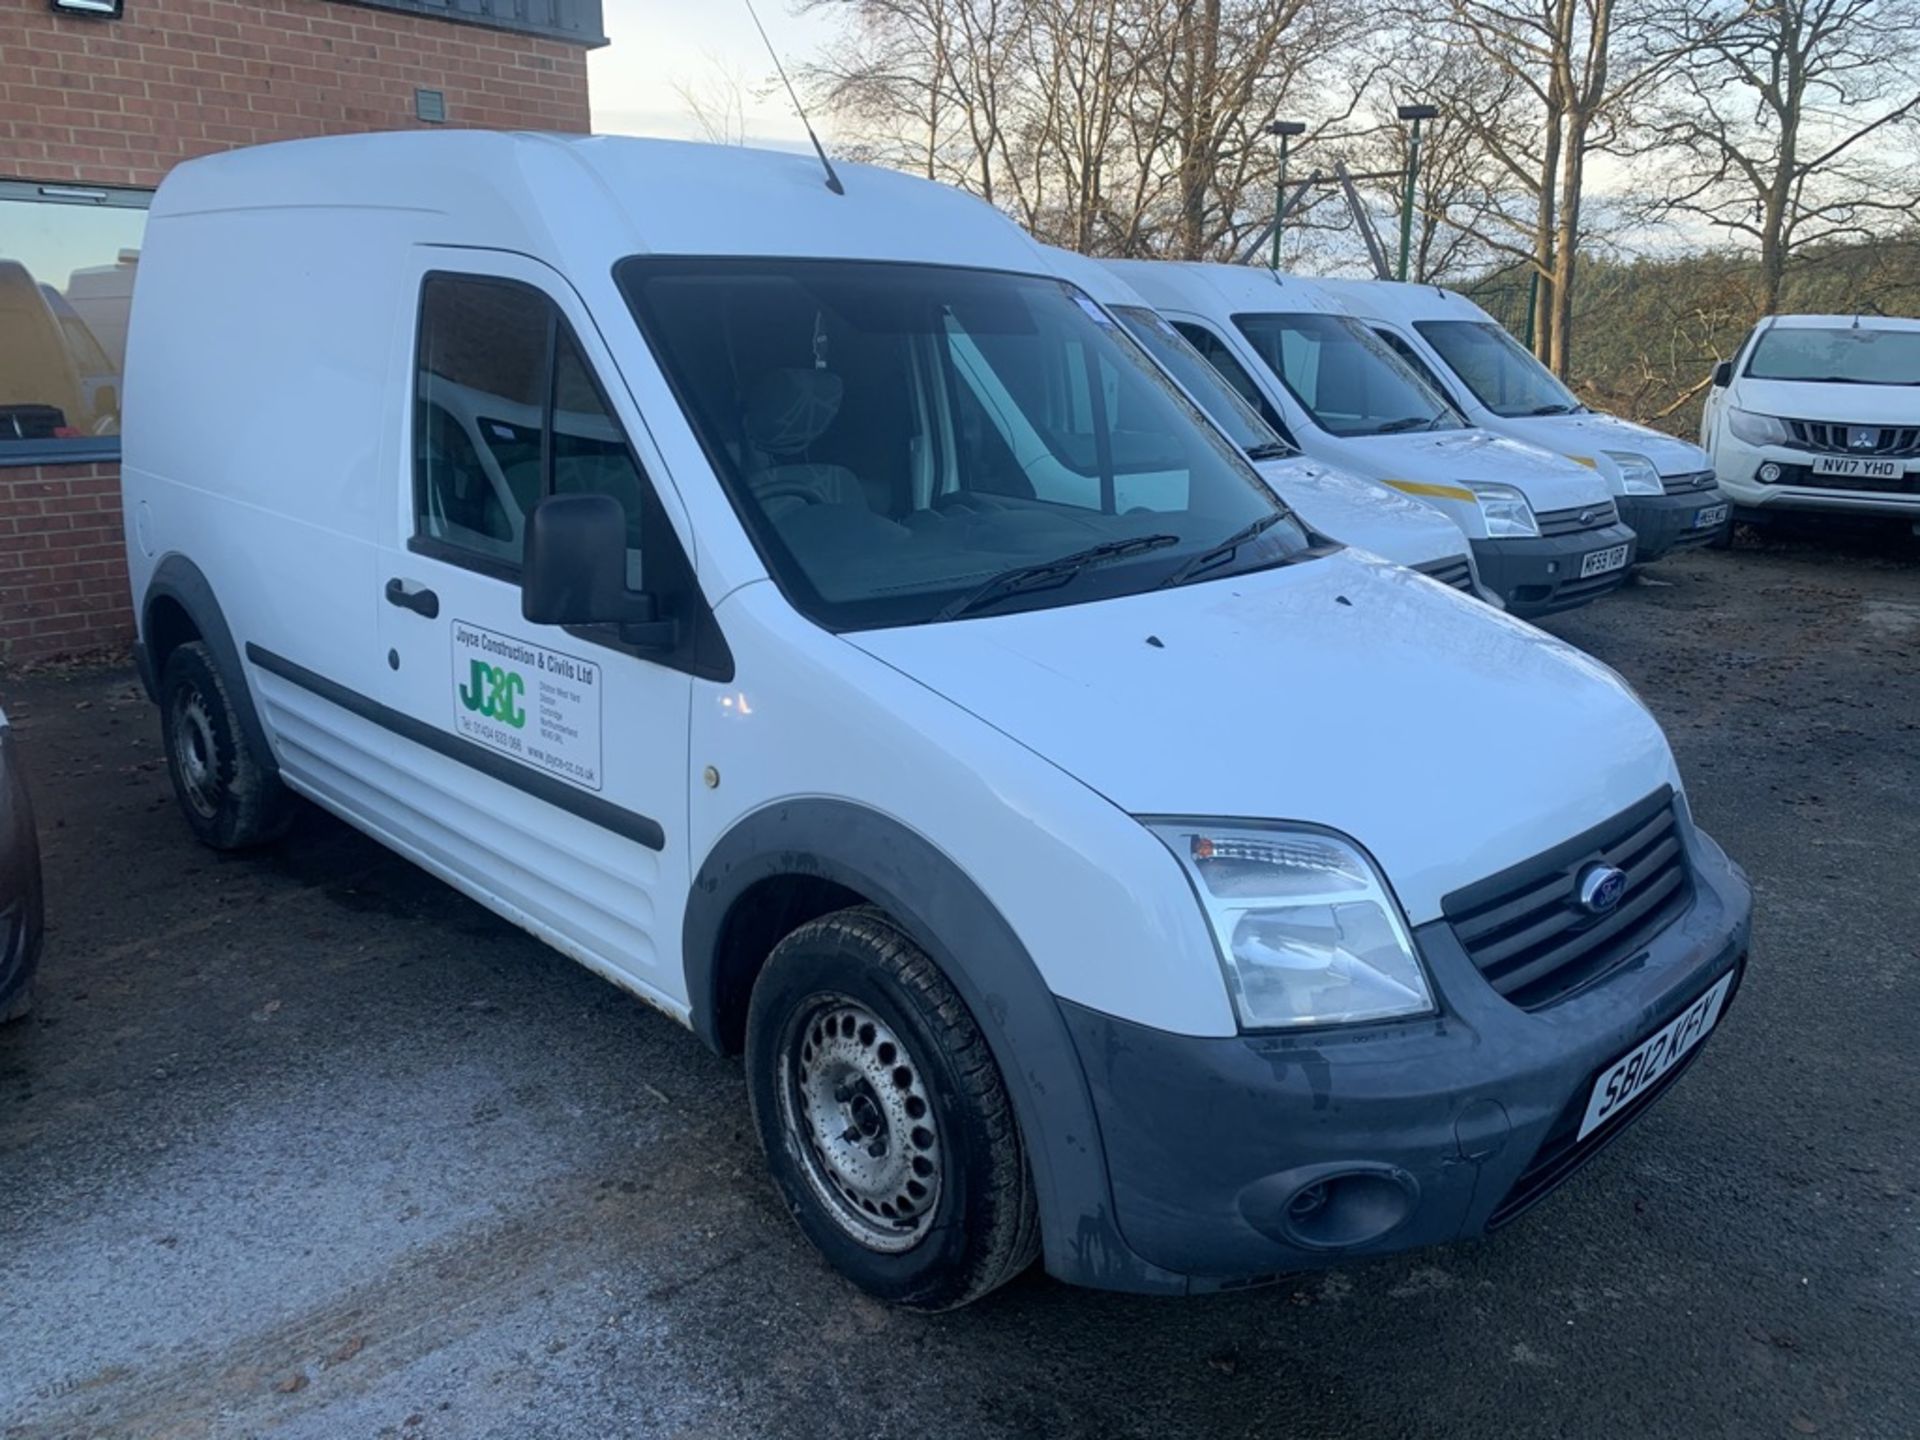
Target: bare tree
{"x":1129,"y":126}
{"x":717,"y":102}
{"x":1794,"y":123}
{"x":1577,"y":68}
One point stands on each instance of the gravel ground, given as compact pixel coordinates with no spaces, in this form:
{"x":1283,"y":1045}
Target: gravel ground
{"x":306,"y":1145}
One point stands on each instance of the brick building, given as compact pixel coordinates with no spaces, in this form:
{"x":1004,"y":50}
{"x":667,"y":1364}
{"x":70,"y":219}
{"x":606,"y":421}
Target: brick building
{"x":98,"y":98}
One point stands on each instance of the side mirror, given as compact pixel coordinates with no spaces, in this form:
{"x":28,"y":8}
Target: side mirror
{"x":574,"y":571}
{"x":1723,"y":375}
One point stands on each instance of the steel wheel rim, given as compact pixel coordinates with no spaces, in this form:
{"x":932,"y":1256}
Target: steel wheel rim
{"x":196,"y":757}
{"x":856,"y":1108}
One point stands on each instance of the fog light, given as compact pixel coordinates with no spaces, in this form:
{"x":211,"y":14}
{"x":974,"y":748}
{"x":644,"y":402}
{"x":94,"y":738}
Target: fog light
{"x":1769,"y":473}
{"x":1333,"y":1206}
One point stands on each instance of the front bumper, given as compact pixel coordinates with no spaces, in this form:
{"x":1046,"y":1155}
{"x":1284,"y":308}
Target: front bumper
{"x":1666,"y":523}
{"x":1738,"y":465}
{"x":1542,"y":575}
{"x":22,"y":905}
{"x":1453,"y":1125}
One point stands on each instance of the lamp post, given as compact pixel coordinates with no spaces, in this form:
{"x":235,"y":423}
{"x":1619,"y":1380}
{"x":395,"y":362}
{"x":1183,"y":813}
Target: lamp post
{"x":1415,"y":113}
{"x":1286,"y":130}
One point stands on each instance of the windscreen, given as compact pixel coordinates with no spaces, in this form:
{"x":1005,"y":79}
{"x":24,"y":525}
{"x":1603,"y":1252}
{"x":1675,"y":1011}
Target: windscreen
{"x":895,"y":436}
{"x":1344,"y":375}
{"x":1501,"y":372}
{"x":1838,"y":355}
{"x":1204,"y":383}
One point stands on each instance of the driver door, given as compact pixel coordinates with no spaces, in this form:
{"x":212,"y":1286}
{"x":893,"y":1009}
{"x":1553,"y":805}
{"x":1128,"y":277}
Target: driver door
{"x":542,"y":768}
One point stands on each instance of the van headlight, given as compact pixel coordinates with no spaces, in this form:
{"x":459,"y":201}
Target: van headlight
{"x":1504,"y":510}
{"x":1306,"y":930}
{"x":1757,"y":429}
{"x":1637,"y":473}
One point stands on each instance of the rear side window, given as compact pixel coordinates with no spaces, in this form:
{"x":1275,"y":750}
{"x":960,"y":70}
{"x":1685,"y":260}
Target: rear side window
{"x":507,"y":411}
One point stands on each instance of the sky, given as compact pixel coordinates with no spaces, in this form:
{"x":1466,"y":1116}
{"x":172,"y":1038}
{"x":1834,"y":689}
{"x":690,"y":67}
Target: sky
{"x":706,"y":46}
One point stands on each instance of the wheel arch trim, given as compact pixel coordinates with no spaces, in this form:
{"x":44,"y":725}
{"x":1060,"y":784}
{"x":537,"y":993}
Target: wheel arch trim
{"x":933,"y":900}
{"x":178,"y":579}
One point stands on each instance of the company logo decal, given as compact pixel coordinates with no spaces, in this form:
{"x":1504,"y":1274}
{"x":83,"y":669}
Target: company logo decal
{"x":495,"y":691}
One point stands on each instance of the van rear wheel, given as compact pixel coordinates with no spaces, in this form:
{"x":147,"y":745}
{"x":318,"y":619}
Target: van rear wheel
{"x":884,"y":1118}
{"x":231,"y":801}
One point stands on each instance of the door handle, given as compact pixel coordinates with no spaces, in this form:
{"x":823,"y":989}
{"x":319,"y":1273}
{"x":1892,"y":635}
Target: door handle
{"x":409,"y":595}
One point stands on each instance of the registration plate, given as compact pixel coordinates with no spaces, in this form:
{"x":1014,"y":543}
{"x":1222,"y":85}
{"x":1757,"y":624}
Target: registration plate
{"x":1711,"y":516}
{"x":1641,"y":1067}
{"x":1857,"y":466}
{"x":1599,"y":562}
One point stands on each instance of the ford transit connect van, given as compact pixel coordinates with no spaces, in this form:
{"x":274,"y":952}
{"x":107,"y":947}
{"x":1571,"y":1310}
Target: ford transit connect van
{"x":1664,"y":488}
{"x":1040,"y":813}
{"x":1355,"y":511}
{"x":1545,"y":533}
{"x":1819,"y":413}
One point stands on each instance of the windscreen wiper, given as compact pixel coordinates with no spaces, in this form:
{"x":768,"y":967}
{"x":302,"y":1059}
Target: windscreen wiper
{"x":1271,"y":450}
{"x":1221,"y":553}
{"x":1551,"y":410}
{"x":1407,"y":422}
{"x":1035,"y":577}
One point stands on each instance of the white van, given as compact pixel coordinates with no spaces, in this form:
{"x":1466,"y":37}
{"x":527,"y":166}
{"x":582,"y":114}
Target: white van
{"x":1545,"y":533}
{"x":1043,"y":829}
{"x":1352,"y":510}
{"x":1664,"y":488}
{"x":1819,"y":412}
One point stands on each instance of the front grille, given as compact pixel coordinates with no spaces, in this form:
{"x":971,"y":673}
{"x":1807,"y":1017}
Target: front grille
{"x":1573,"y":520}
{"x":1457,"y":572}
{"x":1687,"y":484}
{"x":1562,"y":1152}
{"x":1905,"y":483}
{"x":1836,"y":438}
{"x":1526,"y":931}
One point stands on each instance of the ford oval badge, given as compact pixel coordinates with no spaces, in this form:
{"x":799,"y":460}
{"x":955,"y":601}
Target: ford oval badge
{"x":1601,"y":887}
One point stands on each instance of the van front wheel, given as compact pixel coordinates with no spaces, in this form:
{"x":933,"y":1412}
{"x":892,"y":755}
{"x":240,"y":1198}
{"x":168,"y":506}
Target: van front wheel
{"x":884,"y":1118}
{"x":230,"y":800}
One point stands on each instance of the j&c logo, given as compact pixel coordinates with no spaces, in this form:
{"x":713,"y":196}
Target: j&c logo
{"x":495,"y":691}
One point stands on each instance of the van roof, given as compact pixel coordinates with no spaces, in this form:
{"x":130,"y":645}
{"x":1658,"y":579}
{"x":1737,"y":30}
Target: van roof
{"x":1239,"y":288}
{"x":1096,"y":277}
{"x":1402,"y":300}
{"x":596,"y":198}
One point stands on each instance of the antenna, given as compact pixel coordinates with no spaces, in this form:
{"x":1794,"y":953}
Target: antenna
{"x":833,"y":180}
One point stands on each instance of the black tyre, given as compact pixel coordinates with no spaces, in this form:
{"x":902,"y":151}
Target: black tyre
{"x":231,"y":801}
{"x":884,"y":1117}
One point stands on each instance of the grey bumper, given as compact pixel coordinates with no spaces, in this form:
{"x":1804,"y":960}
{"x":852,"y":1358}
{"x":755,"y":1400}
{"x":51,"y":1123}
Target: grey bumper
{"x":22,"y":905}
{"x":1666,"y":523}
{"x":1540,"y":576}
{"x":1450,"y":1126}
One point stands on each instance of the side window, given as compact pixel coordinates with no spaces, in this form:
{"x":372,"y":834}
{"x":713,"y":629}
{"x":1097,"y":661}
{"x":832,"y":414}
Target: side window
{"x":508,"y":410}
{"x":1222,"y":359}
{"x":479,"y":428}
{"x":1406,"y":352}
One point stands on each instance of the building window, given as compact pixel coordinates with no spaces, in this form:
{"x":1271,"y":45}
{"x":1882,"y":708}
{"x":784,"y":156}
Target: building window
{"x":67,"y":260}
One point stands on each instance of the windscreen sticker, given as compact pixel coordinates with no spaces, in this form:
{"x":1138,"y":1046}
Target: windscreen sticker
{"x":537,"y":705}
{"x":1099,"y":316}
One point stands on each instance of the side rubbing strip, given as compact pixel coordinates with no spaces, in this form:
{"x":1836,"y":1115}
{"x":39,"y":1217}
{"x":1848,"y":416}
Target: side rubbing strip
{"x":591,"y":808}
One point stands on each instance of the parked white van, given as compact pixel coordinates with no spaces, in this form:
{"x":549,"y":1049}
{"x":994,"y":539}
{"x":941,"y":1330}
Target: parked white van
{"x":1819,"y":412}
{"x":1663,"y":487}
{"x":1043,"y":828}
{"x":1544,"y":531}
{"x":1354,"y":511}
